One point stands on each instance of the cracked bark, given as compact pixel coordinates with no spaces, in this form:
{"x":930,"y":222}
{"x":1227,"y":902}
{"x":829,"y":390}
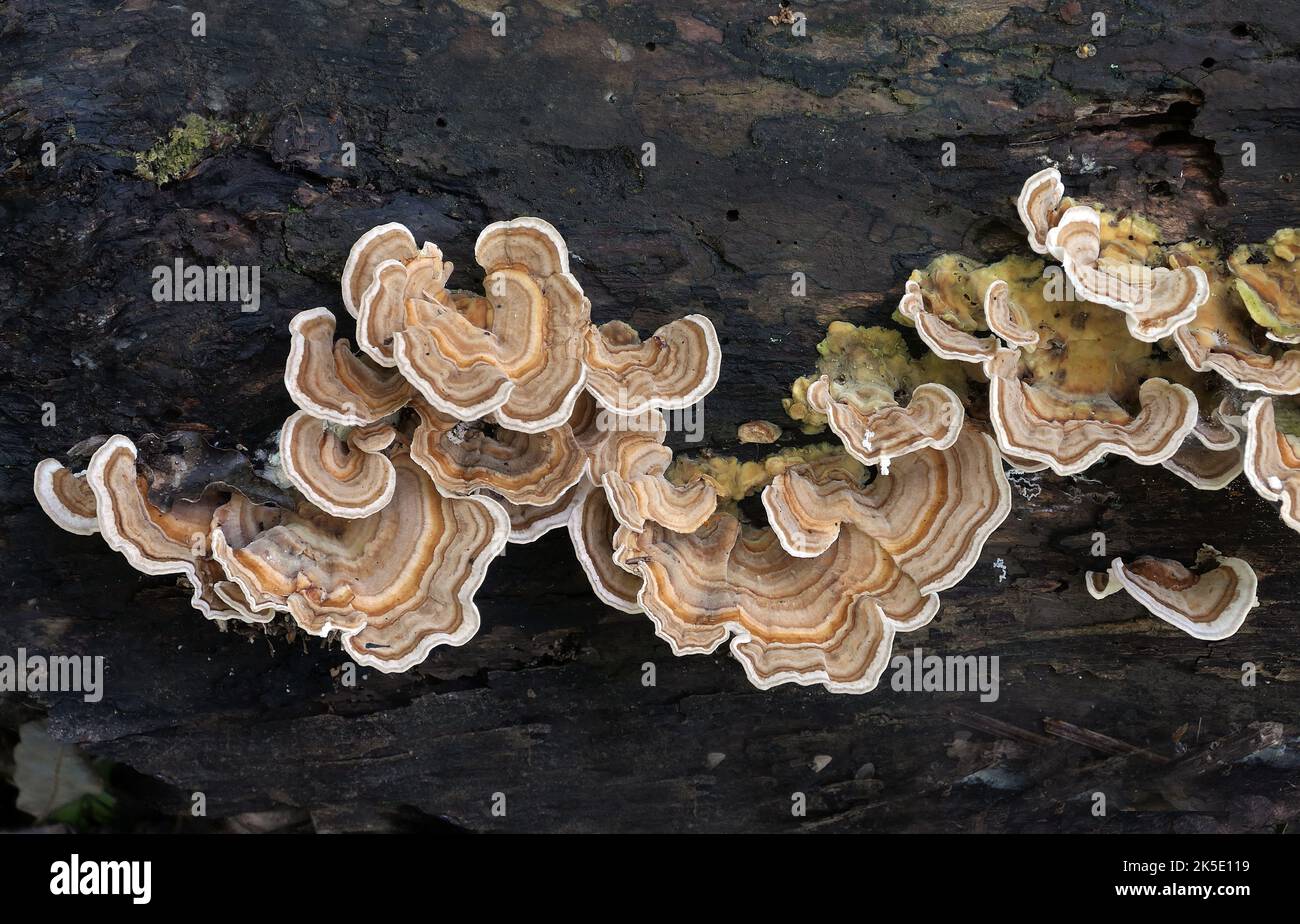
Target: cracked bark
{"x":826,"y":152}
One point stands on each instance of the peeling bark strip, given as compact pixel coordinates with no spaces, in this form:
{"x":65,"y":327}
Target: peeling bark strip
{"x":772,"y":155}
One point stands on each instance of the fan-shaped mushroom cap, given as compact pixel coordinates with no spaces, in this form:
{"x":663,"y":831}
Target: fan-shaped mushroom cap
{"x":1223,"y":335}
{"x":1079,"y":386}
{"x":155,"y":541}
{"x":1070,"y":436}
{"x":638,"y":492}
{"x":792,"y":620}
{"x":384,"y":305}
{"x":932,"y":513}
{"x":673,"y":369}
{"x":327,"y":380}
{"x":932,"y":419}
{"x":526,"y":366}
{"x":1040,"y":205}
{"x":1211,"y":456}
{"x":338,"y":475}
{"x":1155,"y":300}
{"x":1109,"y":258}
{"x":395,"y":584}
{"x":591,"y":529}
{"x":941,"y":302}
{"x":758,"y":431}
{"x":1204,"y":467}
{"x":863,"y":369}
{"x":827,"y":614}
{"x":1209,"y":605}
{"x":66,"y":498}
{"x":600,"y":431}
{"x":626,"y":455}
{"x":377,"y":246}
{"x":1268,"y":280}
{"x":1007,"y":318}
{"x":523,"y":468}
{"x":1272,"y":460}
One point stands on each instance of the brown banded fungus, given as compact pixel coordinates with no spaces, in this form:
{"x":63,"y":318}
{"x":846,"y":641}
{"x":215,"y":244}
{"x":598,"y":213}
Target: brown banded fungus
{"x":673,"y":369}
{"x":592,"y":528}
{"x":1110,"y":259}
{"x":344,"y":475}
{"x":394,"y":585}
{"x":327,"y":380}
{"x":1272,"y":458}
{"x":526,"y":365}
{"x":758,"y":431}
{"x":1230,"y":334}
{"x":1208,"y":603}
{"x":827,"y":612}
{"x":639,"y":493}
{"x":529,"y":522}
{"x":524,"y":468}
{"x":734,"y":480}
{"x":156,"y":541}
{"x":66,"y":497}
{"x":1268,"y":281}
{"x":1070,"y":385}
{"x":862,"y":373}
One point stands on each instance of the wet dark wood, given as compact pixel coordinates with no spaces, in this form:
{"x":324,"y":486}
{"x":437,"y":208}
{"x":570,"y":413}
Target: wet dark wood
{"x":774,"y":155}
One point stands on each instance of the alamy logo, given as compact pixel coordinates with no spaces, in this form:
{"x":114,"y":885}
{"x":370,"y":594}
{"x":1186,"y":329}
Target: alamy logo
{"x":918,"y":672}
{"x":53,"y":674}
{"x":76,"y":876}
{"x":687,"y":420}
{"x":181,"y":283}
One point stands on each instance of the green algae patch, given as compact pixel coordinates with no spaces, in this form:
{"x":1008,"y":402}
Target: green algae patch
{"x":185,"y":145}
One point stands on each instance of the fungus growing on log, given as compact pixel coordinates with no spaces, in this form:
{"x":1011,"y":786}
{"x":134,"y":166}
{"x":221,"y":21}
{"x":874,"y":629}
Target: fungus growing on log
{"x":1272,"y":459}
{"x":1268,"y":281}
{"x":394,"y":585}
{"x":339,"y":475}
{"x":523,"y":468}
{"x":327,"y":380}
{"x":673,"y":369}
{"x":526,"y":365}
{"x":1207,"y":603}
{"x":1110,"y":259}
{"x":826,"y":612}
{"x":758,"y":431}
{"x":1071,"y":385}
{"x":944,"y":307}
{"x":1223,"y":336}
{"x":639,"y":493}
{"x":734,"y":480}
{"x":156,"y":541}
{"x":1040,"y":203}
{"x":470,"y":421}
{"x":66,"y":497}
{"x":592,"y":528}
{"x":861,"y":373}
{"x":529,"y":522}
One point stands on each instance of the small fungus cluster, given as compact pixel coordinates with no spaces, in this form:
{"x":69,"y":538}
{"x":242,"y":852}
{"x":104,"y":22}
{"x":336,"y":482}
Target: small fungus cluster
{"x":466,"y":421}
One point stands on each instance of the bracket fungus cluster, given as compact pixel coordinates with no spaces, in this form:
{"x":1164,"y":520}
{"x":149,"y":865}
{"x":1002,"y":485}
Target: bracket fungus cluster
{"x":465,"y":421}
{"x":816,"y":595}
{"x":1164,"y":353}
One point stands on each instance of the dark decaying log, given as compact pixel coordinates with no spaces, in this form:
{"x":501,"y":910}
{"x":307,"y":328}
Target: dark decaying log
{"x":774,"y":154}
